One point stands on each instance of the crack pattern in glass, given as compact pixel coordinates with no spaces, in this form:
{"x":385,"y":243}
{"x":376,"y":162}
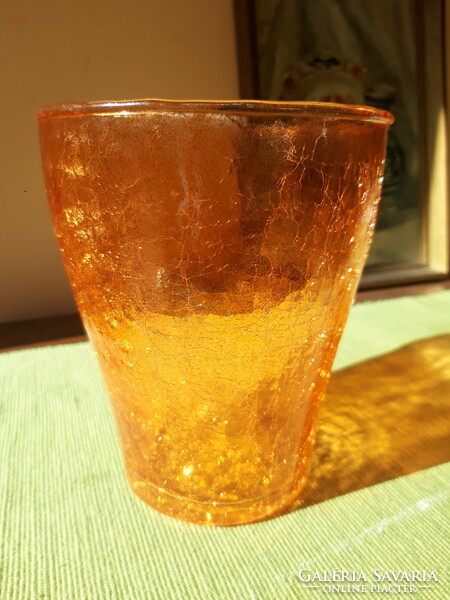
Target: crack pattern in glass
{"x":214,"y":250}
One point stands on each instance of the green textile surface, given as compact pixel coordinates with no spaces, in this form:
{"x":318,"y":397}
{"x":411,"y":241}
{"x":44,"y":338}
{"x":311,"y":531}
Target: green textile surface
{"x":70,"y":529}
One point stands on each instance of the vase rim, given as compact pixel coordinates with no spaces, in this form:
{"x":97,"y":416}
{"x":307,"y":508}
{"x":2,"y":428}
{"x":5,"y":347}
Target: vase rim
{"x":118,"y":108}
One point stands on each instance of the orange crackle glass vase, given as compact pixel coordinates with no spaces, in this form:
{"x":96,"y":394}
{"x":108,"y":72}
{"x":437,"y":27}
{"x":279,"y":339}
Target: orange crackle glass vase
{"x":214,"y":249}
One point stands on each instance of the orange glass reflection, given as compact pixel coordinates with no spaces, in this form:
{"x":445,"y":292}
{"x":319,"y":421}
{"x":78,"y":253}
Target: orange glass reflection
{"x":214,"y":251}
{"x":393,"y":426}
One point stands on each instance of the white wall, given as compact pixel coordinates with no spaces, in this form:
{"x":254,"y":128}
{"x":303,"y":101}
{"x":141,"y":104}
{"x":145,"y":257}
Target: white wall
{"x":55,"y":51}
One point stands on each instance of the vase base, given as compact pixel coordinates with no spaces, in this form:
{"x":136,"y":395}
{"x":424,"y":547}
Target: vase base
{"x":214,"y":513}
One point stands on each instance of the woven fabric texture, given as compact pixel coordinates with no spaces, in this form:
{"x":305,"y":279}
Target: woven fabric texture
{"x":70,"y":529}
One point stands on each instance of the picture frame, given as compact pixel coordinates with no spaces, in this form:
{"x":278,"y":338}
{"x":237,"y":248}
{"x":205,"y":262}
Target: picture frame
{"x":411,"y":243}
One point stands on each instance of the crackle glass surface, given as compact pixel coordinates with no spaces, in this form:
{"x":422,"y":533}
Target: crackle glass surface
{"x":214,"y":249}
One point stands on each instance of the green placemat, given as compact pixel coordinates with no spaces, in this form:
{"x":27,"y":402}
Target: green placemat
{"x":70,"y":529}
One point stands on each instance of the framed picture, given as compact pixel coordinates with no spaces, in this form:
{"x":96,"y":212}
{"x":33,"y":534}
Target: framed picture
{"x":386,"y":54}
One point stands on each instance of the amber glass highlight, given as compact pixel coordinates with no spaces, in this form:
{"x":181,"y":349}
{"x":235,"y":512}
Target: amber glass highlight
{"x":214,"y":250}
